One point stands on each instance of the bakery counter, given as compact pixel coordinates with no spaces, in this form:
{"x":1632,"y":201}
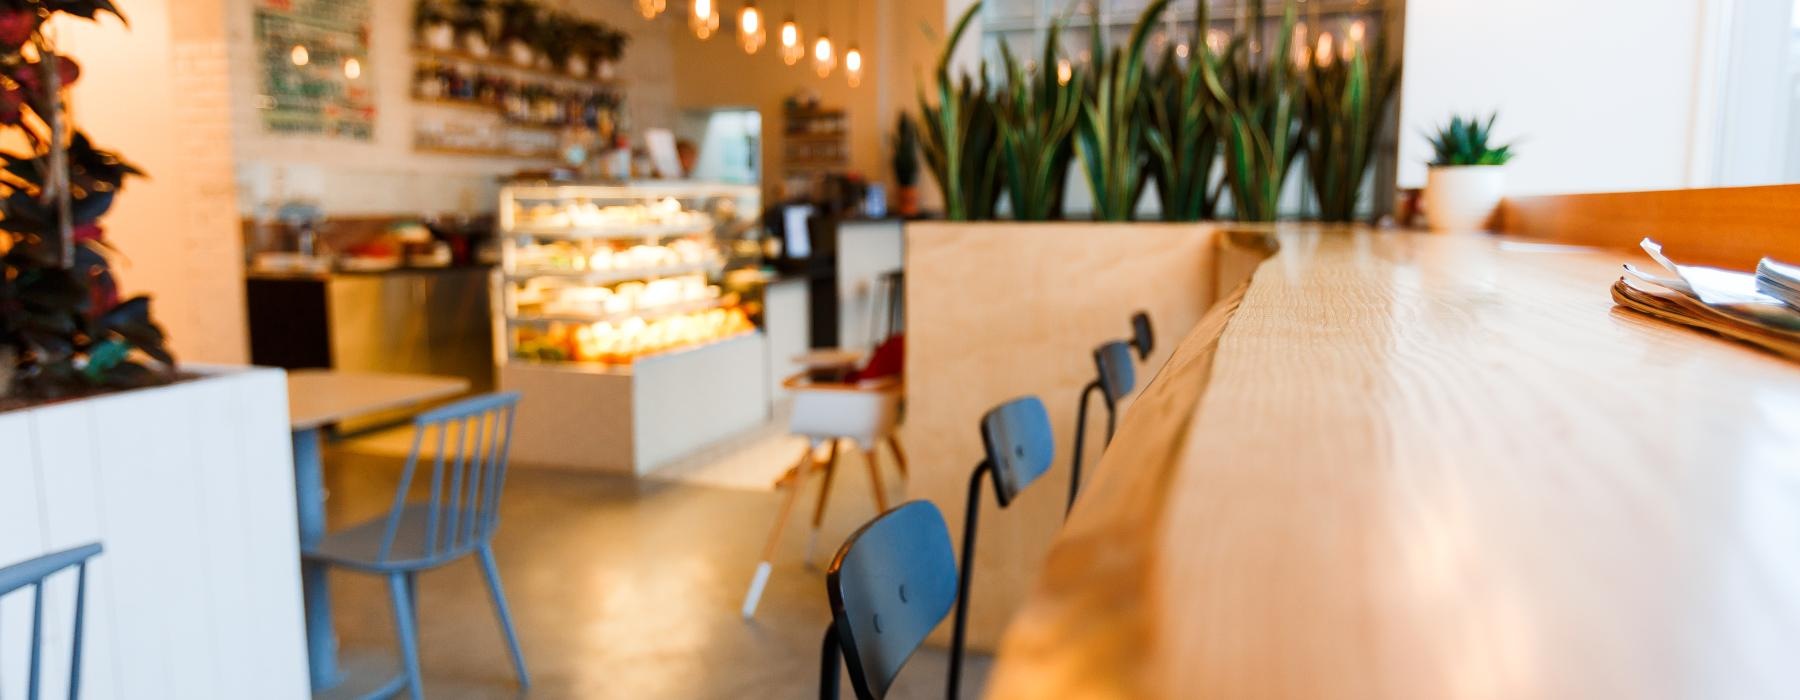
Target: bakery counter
{"x":1395,"y":465}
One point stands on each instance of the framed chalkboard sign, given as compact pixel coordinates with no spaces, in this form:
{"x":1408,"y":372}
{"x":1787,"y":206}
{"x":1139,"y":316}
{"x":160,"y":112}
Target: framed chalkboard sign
{"x":314,"y":68}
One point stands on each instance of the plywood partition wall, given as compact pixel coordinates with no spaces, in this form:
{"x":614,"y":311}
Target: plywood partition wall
{"x":1000,"y":310}
{"x":1727,"y":226}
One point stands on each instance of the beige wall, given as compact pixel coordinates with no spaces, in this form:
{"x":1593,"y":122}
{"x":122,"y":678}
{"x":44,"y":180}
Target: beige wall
{"x":899,"y":42}
{"x":157,"y":94}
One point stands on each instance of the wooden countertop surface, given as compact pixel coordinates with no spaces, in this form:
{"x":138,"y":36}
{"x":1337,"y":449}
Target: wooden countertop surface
{"x":1400,"y":465}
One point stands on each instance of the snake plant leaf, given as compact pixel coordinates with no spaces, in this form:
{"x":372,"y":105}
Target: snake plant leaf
{"x":1111,"y":141}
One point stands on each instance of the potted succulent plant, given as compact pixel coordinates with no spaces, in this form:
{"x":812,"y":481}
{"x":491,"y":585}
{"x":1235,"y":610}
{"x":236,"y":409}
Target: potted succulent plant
{"x":1466,"y":179}
{"x":519,"y":29}
{"x":470,"y":19}
{"x":435,"y":22}
{"x":906,"y":167}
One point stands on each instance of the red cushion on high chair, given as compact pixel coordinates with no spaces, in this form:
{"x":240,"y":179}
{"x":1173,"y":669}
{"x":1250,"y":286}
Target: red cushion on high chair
{"x":888,"y":360}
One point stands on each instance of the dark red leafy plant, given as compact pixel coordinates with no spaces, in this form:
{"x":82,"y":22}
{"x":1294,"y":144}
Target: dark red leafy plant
{"x":63,"y":329}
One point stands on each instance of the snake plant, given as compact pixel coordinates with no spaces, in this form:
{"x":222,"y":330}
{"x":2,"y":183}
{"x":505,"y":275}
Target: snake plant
{"x":1183,"y":137}
{"x":1346,"y":101}
{"x":1259,"y":95}
{"x":1465,"y":142}
{"x":1111,"y":136}
{"x":1037,"y":117}
{"x":961,"y":136}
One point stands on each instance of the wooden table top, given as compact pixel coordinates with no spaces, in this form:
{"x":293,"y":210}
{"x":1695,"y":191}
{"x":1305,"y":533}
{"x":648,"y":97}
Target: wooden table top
{"x":319,"y":397}
{"x":1401,"y":465}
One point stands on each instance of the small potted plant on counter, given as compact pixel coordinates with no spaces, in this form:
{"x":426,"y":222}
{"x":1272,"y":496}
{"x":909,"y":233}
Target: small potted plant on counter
{"x":906,"y":167}
{"x":1466,"y":179}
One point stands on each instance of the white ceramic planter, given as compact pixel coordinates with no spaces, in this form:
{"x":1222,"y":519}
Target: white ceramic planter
{"x":1463,"y":198}
{"x":439,"y":36}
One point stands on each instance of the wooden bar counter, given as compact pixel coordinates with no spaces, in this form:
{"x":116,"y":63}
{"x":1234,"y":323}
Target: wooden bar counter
{"x":1397,"y":465}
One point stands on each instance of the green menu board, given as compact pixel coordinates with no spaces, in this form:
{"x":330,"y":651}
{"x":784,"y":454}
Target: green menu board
{"x":314,"y":66}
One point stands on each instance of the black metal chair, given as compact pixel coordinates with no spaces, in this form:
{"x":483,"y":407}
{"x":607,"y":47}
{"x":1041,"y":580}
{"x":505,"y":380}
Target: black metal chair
{"x":890,"y":584}
{"x":1142,"y":337}
{"x":1116,"y":379}
{"x":1020,"y":447}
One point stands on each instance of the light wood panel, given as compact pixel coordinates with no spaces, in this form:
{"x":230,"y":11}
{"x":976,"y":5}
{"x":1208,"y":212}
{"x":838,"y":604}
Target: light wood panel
{"x":1432,"y":467}
{"x":996,"y":311}
{"x":1730,"y":226}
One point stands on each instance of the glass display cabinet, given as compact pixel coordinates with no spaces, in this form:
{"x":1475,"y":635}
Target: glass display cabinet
{"x":610,"y":319}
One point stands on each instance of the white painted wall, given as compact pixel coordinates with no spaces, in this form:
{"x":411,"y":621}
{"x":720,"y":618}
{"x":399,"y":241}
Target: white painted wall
{"x":1601,"y":94}
{"x":190,"y":490}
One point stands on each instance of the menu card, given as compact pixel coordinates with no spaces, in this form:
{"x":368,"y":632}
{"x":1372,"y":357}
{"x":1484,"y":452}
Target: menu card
{"x":1761,"y":309}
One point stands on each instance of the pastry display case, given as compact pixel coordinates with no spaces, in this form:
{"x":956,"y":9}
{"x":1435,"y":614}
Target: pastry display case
{"x":610,"y":274}
{"x":611,"y":319}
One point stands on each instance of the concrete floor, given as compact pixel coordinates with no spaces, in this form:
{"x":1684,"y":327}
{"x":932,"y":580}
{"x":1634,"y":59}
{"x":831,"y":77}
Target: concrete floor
{"x":619,"y":588}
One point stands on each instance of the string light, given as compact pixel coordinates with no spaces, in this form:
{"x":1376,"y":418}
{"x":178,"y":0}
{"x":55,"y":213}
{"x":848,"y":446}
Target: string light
{"x":651,"y":8}
{"x":1064,"y":71}
{"x":299,"y":56}
{"x":1325,"y":55}
{"x":705,"y":19}
{"x":751,"y":33}
{"x":853,"y":58}
{"x":824,"y":60}
{"x":792,"y":49}
{"x":352,"y":68}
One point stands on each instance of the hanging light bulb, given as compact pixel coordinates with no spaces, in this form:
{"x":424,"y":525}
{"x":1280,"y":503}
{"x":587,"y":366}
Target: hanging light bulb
{"x":853,"y":65}
{"x":651,"y":8}
{"x":792,"y":49}
{"x":751,"y":33}
{"x":824,"y":58}
{"x":705,"y":19}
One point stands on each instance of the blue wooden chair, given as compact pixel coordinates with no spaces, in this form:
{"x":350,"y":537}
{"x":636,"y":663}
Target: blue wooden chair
{"x":1143,"y":338}
{"x":456,"y":520}
{"x":1116,"y":379}
{"x":890,"y":584}
{"x":1020,"y":446}
{"x":33,"y":573}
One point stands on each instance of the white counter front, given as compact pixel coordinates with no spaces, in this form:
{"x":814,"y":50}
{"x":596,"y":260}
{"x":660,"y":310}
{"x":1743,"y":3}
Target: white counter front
{"x":190,"y":489}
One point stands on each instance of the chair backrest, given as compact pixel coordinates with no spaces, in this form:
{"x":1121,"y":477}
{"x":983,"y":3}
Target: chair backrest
{"x":1020,"y":445}
{"x":891,"y":583}
{"x":33,"y":573}
{"x":473,"y":439}
{"x":1142,"y":337}
{"x":1117,"y":377}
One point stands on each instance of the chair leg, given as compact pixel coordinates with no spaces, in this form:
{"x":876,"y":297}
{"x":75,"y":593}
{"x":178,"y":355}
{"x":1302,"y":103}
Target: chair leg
{"x":407,"y":626}
{"x":761,"y":579}
{"x":492,"y":571}
{"x":412,"y":593}
{"x":893,"y":443}
{"x":812,"y":538}
{"x":875,"y":480}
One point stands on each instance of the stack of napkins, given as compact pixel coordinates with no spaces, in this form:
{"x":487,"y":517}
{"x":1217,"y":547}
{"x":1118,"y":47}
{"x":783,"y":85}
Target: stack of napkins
{"x":1762,"y":309}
